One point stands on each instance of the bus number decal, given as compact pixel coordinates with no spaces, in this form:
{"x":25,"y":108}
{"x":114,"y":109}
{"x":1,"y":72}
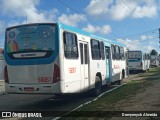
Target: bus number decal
{"x":72,"y":70}
{"x":116,"y":66}
{"x":44,"y":79}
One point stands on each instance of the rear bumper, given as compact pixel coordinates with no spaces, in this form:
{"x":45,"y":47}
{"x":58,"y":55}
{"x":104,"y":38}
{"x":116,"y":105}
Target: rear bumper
{"x":134,"y":69}
{"x":33,"y":89}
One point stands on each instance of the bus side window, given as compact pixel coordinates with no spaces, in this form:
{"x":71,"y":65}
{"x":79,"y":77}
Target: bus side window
{"x":70,"y":45}
{"x":117,"y":52}
{"x":95,"y":49}
{"x":107,"y":53}
{"x":81,"y":52}
{"x":86,"y":53}
{"x":149,"y":57}
{"x":113,"y":52}
{"x":146,"y":56}
{"x":121,"y":53}
{"x":143,"y":56}
{"x":102,"y":50}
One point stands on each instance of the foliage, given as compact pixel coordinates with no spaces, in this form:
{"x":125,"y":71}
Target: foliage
{"x":153,"y":52}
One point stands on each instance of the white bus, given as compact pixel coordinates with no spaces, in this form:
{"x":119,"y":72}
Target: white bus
{"x":59,"y":59}
{"x":2,"y":64}
{"x":155,"y":60}
{"x":138,"y":61}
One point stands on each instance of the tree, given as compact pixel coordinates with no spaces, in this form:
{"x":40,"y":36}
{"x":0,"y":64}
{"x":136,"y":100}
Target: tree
{"x":153,"y":52}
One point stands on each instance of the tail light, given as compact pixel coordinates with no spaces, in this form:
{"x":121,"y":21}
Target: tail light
{"x":6,"y":75}
{"x":141,"y":64}
{"x":56,"y":74}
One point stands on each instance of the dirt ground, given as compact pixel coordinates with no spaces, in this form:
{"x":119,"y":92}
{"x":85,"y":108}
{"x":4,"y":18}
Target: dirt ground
{"x":148,"y":100}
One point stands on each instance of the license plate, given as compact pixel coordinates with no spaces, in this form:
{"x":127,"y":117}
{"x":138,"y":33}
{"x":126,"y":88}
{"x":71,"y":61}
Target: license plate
{"x":29,"y":89}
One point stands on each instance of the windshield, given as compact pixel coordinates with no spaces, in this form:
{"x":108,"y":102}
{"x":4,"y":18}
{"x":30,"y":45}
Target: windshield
{"x":134,"y":55}
{"x":32,"y":38}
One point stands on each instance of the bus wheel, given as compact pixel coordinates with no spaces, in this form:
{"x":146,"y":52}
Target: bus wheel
{"x":121,"y":79}
{"x":119,"y":82}
{"x":98,"y":86}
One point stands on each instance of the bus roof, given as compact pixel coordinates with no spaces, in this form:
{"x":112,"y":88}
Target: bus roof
{"x":138,"y":51}
{"x":73,"y":29}
{"x":134,"y":51}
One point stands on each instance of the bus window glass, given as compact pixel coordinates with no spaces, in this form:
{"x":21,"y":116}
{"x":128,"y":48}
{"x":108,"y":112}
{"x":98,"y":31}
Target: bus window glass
{"x":85,"y":53}
{"x":148,"y":57}
{"x":30,"y":38}
{"x":144,"y":56}
{"x":122,"y":53}
{"x":107,"y":53}
{"x":113,"y":52}
{"x":70,"y":45}
{"x":102,"y":50}
{"x":81,"y":52}
{"x":134,"y":55}
{"x":95,"y":49}
{"x":117,"y":52}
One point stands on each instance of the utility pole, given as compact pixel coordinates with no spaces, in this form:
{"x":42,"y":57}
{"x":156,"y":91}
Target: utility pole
{"x":26,"y":18}
{"x":159,"y":36}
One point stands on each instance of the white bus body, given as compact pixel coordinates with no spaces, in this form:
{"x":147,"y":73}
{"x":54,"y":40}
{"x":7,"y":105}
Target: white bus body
{"x":138,"y":61}
{"x":154,"y":60}
{"x":59,"y":59}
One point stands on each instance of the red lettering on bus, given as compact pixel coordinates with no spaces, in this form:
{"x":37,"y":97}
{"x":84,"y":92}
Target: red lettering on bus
{"x":72,"y":70}
{"x":116,"y":66}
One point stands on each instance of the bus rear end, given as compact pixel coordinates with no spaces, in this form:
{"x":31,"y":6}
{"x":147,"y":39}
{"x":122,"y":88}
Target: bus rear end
{"x":31,"y":54}
{"x":154,"y":60}
{"x":135,"y":61}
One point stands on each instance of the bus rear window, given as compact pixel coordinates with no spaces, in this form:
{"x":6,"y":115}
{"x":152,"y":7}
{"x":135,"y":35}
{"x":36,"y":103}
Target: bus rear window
{"x":134,"y":55}
{"x":36,"y":37}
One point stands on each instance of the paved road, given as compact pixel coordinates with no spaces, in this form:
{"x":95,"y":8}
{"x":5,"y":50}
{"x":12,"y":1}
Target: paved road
{"x":1,"y":86}
{"x":24,"y":102}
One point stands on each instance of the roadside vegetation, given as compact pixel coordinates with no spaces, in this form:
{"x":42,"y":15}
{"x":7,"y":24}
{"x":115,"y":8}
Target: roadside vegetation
{"x":107,"y":102}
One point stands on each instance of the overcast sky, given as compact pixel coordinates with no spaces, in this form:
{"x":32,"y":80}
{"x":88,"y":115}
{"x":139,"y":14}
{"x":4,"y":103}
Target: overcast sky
{"x":133,"y":22}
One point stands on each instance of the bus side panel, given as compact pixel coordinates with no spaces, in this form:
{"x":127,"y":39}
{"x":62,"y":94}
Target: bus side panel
{"x":117,"y":67}
{"x":70,"y":71}
{"x":72,"y":76}
{"x":97,"y":67}
{"x":61,"y":63}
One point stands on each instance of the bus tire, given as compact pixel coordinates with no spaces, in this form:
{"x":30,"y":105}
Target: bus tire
{"x":121,"y":79}
{"x":119,"y":82}
{"x":144,"y":71}
{"x":98,"y":87}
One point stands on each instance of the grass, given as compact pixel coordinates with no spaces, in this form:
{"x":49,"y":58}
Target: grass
{"x":108,"y":101}
{"x":152,"y":71}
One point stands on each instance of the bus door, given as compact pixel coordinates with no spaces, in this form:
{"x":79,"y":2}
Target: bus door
{"x":84,"y":65}
{"x":108,"y":64}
